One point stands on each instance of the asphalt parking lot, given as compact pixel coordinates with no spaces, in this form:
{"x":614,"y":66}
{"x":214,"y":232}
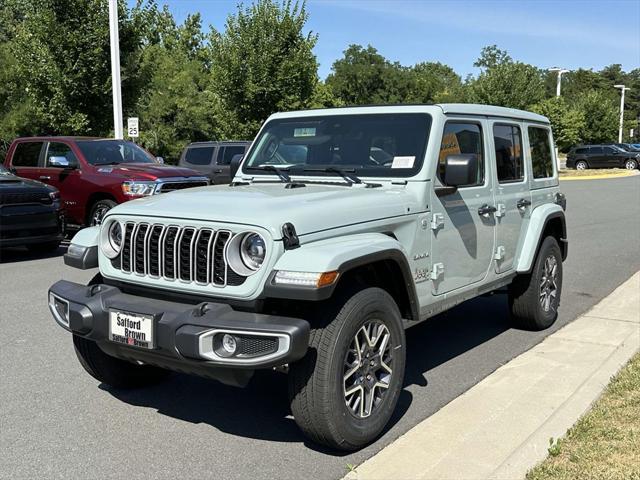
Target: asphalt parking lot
{"x":57,"y":422}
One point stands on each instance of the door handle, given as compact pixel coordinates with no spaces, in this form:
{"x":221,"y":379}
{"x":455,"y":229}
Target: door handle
{"x":523,"y":203}
{"x":217,"y":171}
{"x":486,"y":209}
{"x":45,"y":177}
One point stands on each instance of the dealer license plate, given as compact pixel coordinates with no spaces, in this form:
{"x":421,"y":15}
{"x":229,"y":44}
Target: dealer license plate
{"x":132,"y":329}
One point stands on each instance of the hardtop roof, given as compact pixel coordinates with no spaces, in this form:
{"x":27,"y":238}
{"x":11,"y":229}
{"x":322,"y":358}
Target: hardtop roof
{"x":446,"y":108}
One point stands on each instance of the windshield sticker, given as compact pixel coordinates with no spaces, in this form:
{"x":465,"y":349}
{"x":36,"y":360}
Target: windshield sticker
{"x":403,"y":162}
{"x":304,"y":132}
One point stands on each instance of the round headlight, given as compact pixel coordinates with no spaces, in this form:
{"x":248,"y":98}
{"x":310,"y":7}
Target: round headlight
{"x":111,"y":238}
{"x":253,"y":250}
{"x":115,"y":236}
{"x":245,"y":253}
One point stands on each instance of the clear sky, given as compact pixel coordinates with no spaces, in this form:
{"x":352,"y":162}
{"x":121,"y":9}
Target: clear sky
{"x":545,"y":33}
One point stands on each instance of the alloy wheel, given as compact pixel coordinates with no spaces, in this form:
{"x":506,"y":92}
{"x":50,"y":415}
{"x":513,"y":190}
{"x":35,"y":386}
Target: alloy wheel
{"x":99,"y":214}
{"x":368,"y":368}
{"x":630,"y":165}
{"x":549,"y":284}
{"x":581,"y":166}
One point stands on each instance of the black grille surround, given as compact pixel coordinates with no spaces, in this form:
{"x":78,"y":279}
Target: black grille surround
{"x":20,"y":198}
{"x":183,"y":253}
{"x":165,"y":187}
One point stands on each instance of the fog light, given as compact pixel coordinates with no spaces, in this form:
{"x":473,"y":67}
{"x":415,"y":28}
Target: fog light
{"x":60,"y":309}
{"x":229,"y":343}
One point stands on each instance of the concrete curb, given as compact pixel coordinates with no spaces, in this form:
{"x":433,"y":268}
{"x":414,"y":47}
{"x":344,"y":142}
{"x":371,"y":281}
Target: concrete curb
{"x":500,"y":428}
{"x":602,"y":176}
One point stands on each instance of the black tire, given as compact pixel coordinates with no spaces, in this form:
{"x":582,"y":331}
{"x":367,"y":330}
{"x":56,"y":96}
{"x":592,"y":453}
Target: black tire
{"x":98,"y":210}
{"x":526,"y":300}
{"x":317,"y":384}
{"x":45,"y":247}
{"x":582,"y":162}
{"x":113,"y":371}
{"x":631,"y":164}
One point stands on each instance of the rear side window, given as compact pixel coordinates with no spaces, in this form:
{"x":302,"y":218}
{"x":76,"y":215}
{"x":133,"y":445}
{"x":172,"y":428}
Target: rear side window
{"x":461,"y":138}
{"x":581,"y":151}
{"x":199,"y":155}
{"x":27,"y":154}
{"x":541,"y":152}
{"x":608,"y":150}
{"x":595,"y":150}
{"x":57,"y":149}
{"x":508,"y":144}
{"x":226,"y":154}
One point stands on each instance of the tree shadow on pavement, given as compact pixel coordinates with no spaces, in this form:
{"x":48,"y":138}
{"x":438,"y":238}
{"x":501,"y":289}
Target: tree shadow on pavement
{"x":23,"y":254}
{"x":261,"y":410}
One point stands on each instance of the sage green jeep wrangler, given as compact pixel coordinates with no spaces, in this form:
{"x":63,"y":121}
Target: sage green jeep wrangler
{"x":342,"y":229}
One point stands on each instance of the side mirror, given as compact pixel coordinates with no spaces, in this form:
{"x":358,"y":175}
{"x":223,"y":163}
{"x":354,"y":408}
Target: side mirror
{"x":234,"y":165}
{"x":461,"y":169}
{"x":59,"y":162}
{"x":159,"y":159}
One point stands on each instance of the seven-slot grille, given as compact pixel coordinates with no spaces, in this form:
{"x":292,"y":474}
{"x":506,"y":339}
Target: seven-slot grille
{"x":188,"y":254}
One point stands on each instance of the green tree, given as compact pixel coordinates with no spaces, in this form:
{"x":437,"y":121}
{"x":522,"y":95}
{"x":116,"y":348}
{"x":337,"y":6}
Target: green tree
{"x":364,"y":77}
{"x":567,"y":122}
{"x":601,"y":117}
{"x":508,"y":84}
{"x":262,"y":63}
{"x":435,"y":82}
{"x":491,"y":56}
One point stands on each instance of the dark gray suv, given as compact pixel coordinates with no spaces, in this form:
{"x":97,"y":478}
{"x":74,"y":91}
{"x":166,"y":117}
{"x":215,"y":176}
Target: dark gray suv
{"x":213,"y":158}
{"x":602,"y":156}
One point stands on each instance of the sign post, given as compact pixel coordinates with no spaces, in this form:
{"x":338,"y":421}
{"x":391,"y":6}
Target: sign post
{"x":132,"y":127}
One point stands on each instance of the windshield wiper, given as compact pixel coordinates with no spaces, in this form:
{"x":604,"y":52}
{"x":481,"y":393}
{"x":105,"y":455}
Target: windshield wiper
{"x":348,"y":174}
{"x":282,"y":174}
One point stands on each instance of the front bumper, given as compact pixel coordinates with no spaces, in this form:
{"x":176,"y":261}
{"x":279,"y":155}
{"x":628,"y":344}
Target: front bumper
{"x":30,"y":224}
{"x":184,"y":333}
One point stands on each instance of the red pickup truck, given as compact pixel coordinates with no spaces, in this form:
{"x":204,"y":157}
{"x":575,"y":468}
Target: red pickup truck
{"x":95,"y":174}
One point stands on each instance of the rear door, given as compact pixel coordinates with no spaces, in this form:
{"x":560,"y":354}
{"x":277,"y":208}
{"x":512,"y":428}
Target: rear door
{"x":26,"y":159}
{"x":199,"y":158}
{"x":67,"y":180}
{"x":513,"y":198}
{"x":222,"y":170}
{"x":596,"y":159}
{"x":463,"y":222}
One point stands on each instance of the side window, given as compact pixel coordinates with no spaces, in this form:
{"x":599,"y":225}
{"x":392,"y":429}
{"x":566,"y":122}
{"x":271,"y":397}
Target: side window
{"x":57,"y":149}
{"x":461,"y":137}
{"x":541,"y":152}
{"x":27,"y":154}
{"x":199,"y":155}
{"x":595,"y":151}
{"x":229,"y":152}
{"x":581,"y":151}
{"x":608,"y":150}
{"x":508,"y":144}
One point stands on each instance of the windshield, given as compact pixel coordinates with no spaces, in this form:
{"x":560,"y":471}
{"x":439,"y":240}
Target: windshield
{"x":113,"y":152}
{"x":375,"y":145}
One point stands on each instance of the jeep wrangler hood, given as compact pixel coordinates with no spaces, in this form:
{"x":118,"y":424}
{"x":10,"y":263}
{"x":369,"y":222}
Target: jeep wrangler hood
{"x":310,"y":209}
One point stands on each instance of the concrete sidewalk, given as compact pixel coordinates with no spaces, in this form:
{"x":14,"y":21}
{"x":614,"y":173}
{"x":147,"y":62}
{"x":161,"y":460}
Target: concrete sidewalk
{"x":501,"y":427}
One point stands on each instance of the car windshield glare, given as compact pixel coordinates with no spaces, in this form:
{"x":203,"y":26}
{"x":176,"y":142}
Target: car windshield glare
{"x":113,"y":152}
{"x":374,"y":145}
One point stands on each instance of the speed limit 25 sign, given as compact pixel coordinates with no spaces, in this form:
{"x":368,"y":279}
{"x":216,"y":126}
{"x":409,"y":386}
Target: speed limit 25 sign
{"x":132,"y":127}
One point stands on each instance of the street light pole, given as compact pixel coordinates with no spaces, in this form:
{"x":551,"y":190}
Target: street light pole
{"x":559,"y":80}
{"x":622,"y":90}
{"x":115,"y":69}
{"x":558,"y":87}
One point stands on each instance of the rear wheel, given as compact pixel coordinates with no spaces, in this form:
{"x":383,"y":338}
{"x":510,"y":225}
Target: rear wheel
{"x":99,"y":210}
{"x":581,"y":165}
{"x":631,"y":164}
{"x":344,"y":391}
{"x":113,"y":371}
{"x":534,"y":298}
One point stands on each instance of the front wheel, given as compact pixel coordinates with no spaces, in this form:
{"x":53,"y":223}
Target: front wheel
{"x":113,"y":371}
{"x":534,"y":298}
{"x":631,"y":164}
{"x":344,"y":391}
{"x":99,"y":210}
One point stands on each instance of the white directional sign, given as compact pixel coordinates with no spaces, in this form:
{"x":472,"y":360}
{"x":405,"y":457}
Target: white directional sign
{"x":132,"y":127}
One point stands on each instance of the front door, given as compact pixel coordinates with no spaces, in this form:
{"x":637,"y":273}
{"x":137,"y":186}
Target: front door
{"x":462,"y":222}
{"x":68,"y":180}
{"x":513,"y":198}
{"x":222,"y":169}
